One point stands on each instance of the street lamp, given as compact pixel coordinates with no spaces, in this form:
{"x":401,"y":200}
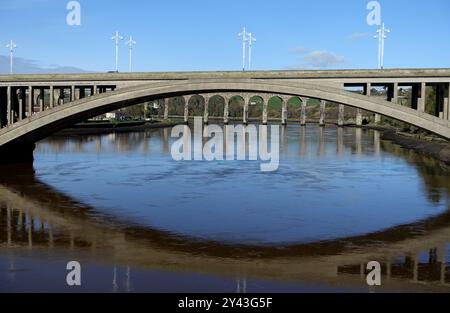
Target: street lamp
{"x":243,"y":34}
{"x":117,"y":38}
{"x":130,"y":43}
{"x":381,"y":39}
{"x":251,"y":40}
{"x":11,"y":46}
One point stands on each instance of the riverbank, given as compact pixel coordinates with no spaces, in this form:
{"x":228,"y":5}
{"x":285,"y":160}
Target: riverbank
{"x":427,"y":145}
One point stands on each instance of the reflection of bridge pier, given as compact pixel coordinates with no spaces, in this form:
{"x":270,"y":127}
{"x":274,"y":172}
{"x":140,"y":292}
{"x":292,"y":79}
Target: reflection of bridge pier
{"x":340,"y":147}
{"x":358,"y":141}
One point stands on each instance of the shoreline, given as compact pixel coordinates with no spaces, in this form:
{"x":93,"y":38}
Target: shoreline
{"x":439,"y":150}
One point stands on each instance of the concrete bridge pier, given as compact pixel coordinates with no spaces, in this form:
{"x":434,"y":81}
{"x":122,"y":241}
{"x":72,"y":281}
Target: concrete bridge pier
{"x":30,"y":101}
{"x":421,"y":102}
{"x":72,"y":93}
{"x":186,"y":109}
{"x":246,"y":98}
{"x":9,"y":105}
{"x":303,"y":111}
{"x":41,"y":99}
{"x":377,"y":117}
{"x":206,"y":113}
{"x":226,"y":113}
{"x":265,"y":117}
{"x":82,"y":93}
{"x":22,"y":103}
{"x":52,"y":97}
{"x":284,"y":110}
{"x":166,"y":109}
{"x":323,"y":104}
{"x":341,"y":115}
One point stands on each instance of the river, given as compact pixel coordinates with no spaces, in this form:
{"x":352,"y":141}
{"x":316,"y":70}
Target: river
{"x":138,"y":221}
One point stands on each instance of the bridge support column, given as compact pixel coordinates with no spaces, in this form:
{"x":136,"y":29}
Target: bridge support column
{"x":41,"y":99}
{"x":186,"y":109}
{"x":9,"y":106}
{"x":166,"y":109}
{"x":446,"y":109}
{"x":82,"y":93}
{"x":72,"y":93}
{"x":22,"y":103}
{"x":206,"y":113}
{"x":61,"y":96}
{"x":246,"y":104}
{"x":226,"y":113}
{"x":377,"y":117}
{"x":30,"y":101}
{"x":359,"y":117}
{"x":395,"y":94}
{"x":94,"y":90}
{"x":303,"y":111}
{"x":284,"y":111}
{"x":265,"y":116}
{"x":322,"y":113}
{"x":422,"y":98}
{"x":52,"y":97}
{"x":341,"y":115}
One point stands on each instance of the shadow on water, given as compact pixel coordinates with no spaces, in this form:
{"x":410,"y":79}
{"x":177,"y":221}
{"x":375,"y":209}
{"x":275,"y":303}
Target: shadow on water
{"x":37,"y":217}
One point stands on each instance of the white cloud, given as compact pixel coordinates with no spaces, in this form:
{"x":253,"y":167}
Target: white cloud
{"x":323,"y":59}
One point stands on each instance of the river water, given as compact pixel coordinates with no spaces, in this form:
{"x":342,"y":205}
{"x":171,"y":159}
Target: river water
{"x":136,"y":220}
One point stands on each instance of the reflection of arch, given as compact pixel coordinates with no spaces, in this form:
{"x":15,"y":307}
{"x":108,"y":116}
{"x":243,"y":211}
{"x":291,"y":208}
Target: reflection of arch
{"x":23,"y":188}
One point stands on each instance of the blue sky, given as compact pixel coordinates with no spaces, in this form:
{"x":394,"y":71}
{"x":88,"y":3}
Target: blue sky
{"x":185,"y":35}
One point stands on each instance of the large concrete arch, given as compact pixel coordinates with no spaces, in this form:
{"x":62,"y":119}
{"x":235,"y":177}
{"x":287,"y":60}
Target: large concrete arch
{"x":22,"y":135}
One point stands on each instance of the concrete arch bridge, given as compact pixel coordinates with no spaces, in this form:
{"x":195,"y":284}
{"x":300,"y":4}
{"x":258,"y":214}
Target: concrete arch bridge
{"x":34,"y":107}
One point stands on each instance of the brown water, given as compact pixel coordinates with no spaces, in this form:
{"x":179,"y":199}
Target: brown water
{"x":138,"y":221}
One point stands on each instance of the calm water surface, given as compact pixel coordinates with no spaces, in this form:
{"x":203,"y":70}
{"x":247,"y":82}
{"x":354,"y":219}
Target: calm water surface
{"x":139,"y":221}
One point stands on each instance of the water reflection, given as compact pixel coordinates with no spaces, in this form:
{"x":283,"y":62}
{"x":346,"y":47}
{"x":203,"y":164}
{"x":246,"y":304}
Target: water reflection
{"x":37,"y":218}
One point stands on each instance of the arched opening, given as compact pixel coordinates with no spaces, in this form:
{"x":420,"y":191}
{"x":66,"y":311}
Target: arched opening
{"x":216,"y":107}
{"x":275,"y":107}
{"x":236,"y":108}
{"x":176,"y":106}
{"x":255,"y":108}
{"x":196,"y":106}
{"x":154,"y":109}
{"x":294,"y":108}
